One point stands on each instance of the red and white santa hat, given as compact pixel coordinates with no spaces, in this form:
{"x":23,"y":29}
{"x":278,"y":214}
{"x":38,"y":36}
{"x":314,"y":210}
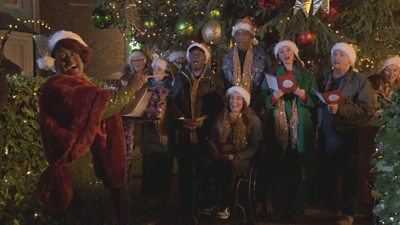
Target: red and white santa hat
{"x":160,"y":63}
{"x":394,"y":60}
{"x":243,"y":92}
{"x":203,"y":47}
{"x":289,"y":44}
{"x":70,"y":39}
{"x":174,"y":55}
{"x":248,"y":25}
{"x":348,"y":50}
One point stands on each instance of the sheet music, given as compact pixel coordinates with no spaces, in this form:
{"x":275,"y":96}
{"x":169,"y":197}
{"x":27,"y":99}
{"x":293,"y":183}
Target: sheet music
{"x":272,"y":82}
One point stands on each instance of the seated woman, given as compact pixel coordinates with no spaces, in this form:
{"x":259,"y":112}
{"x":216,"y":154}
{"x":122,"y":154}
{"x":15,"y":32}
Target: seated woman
{"x":76,"y":115}
{"x":234,"y":141}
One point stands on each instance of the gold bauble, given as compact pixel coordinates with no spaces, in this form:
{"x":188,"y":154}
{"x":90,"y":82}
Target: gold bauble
{"x":212,"y":32}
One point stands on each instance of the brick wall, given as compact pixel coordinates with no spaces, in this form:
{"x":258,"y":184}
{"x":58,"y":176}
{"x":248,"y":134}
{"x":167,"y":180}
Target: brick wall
{"x":108,"y":45}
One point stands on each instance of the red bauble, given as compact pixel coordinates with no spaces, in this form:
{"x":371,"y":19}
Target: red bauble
{"x":270,"y":4}
{"x":306,"y":39}
{"x":332,"y":16}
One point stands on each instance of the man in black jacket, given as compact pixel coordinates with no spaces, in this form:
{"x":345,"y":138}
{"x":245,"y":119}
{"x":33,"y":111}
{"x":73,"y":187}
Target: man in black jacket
{"x":196,"y":99}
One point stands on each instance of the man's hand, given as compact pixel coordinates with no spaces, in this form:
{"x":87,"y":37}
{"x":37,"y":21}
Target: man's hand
{"x":333,"y":108}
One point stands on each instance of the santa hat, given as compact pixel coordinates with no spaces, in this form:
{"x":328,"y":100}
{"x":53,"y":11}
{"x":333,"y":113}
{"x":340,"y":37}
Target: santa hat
{"x":248,"y":25}
{"x":245,"y":94}
{"x":289,"y":44}
{"x":68,"y":38}
{"x":394,"y":60}
{"x":348,"y":49}
{"x":175,"y":55}
{"x":138,"y":53}
{"x":203,"y":47}
{"x":160,"y":63}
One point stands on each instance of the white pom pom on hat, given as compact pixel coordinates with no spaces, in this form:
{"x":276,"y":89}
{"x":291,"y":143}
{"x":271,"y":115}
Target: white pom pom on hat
{"x":245,"y":94}
{"x":348,"y":49}
{"x":46,"y":62}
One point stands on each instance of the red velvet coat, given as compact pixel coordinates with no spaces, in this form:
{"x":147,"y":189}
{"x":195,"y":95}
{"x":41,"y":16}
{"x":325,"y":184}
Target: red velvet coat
{"x":71,"y":111}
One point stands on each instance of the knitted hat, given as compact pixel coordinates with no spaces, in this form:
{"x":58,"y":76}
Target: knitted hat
{"x":348,"y":49}
{"x":174,"y":55}
{"x":289,"y":44}
{"x":248,"y":25}
{"x":160,"y":63}
{"x":394,"y":60}
{"x":203,"y":47}
{"x":66,"y":39}
{"x":241,"y":91}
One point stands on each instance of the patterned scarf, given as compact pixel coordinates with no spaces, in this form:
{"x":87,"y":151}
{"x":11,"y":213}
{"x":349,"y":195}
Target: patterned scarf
{"x":193,"y":97}
{"x":238,"y":128}
{"x":286,"y":130}
{"x":242,"y":77}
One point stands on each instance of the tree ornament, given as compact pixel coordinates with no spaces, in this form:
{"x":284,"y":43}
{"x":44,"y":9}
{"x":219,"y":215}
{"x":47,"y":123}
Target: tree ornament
{"x":215,"y":14}
{"x":270,"y":4}
{"x":149,"y":23}
{"x":212,"y":32}
{"x":304,"y":5}
{"x":184,"y":27}
{"x":332,"y":16}
{"x":102,"y":18}
{"x":323,"y":4}
{"x":306,"y":39}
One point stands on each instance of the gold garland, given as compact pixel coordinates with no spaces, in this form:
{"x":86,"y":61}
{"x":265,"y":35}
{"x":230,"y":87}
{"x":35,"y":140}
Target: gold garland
{"x":283,"y":129}
{"x":193,"y":102}
{"x":243,"y":77}
{"x":239,"y":132}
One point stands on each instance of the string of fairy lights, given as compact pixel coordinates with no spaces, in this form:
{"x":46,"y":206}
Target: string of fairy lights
{"x":43,"y":25}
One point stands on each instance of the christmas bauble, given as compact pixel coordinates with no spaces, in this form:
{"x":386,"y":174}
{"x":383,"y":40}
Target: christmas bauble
{"x":184,"y":27}
{"x":332,"y":16}
{"x":211,"y":32}
{"x":306,"y":38}
{"x":270,"y":4}
{"x":102,"y":18}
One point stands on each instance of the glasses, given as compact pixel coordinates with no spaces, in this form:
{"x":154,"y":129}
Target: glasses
{"x":137,"y":60}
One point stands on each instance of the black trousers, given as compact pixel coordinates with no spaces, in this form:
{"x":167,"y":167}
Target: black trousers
{"x":286,"y":178}
{"x":188,"y":154}
{"x":157,"y":174}
{"x":342,"y":166}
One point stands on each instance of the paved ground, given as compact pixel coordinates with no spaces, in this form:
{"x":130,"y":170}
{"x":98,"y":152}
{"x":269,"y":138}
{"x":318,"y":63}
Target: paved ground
{"x":147,"y":213}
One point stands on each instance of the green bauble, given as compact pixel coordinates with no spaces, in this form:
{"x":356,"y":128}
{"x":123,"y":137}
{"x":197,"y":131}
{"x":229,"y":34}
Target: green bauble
{"x":184,"y":27}
{"x":102,"y":18}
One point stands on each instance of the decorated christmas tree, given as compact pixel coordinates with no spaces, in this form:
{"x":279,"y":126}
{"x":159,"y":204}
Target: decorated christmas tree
{"x":372,"y":26}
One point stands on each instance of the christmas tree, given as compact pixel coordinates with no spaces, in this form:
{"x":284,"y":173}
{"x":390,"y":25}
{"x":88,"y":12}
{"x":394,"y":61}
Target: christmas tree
{"x":372,"y":26}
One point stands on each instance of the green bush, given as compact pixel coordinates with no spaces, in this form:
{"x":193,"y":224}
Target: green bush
{"x":387,"y":165}
{"x":22,"y":158}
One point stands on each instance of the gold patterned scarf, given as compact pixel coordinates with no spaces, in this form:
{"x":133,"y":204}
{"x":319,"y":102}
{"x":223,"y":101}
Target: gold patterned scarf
{"x":286,"y":130}
{"x":193,"y":100}
{"x":242,"y":76}
{"x":239,"y":129}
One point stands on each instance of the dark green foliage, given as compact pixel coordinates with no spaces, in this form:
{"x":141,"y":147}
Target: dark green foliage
{"x":387,"y":165}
